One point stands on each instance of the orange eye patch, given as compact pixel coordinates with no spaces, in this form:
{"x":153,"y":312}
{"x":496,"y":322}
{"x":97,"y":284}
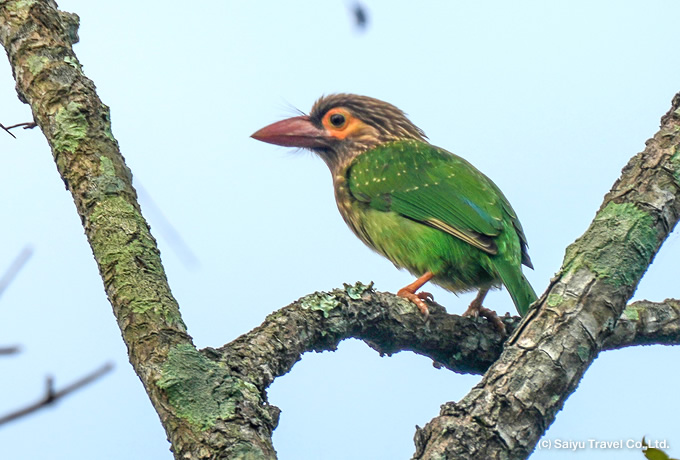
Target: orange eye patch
{"x":340,"y":123}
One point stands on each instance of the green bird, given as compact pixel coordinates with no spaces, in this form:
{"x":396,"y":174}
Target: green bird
{"x":425,"y":209}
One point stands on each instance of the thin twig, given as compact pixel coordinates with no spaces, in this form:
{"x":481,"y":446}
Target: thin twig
{"x":15,"y":267}
{"x":4,"y":351}
{"x":8,"y":131}
{"x":51,"y":396}
{"x":26,"y":125}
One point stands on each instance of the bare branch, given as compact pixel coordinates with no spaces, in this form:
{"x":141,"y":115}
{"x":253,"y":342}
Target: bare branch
{"x":6,"y":351}
{"x":52,"y":396}
{"x":389,"y":324}
{"x":8,"y":131}
{"x":206,"y":412}
{"x":26,"y":125}
{"x":647,"y":323}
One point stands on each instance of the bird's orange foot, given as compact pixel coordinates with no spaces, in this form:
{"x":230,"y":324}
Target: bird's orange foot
{"x":409,"y":292}
{"x":418,"y":299}
{"x":476,"y":311}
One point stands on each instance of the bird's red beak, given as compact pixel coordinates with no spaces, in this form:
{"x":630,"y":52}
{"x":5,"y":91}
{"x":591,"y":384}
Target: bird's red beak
{"x":293,"y":132}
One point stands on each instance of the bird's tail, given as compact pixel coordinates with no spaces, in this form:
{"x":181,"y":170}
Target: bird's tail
{"x":518,"y":286}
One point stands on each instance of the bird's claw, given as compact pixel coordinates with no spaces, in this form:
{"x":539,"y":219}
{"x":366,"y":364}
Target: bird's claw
{"x":418,"y":299}
{"x":476,"y":310}
{"x":472,"y":311}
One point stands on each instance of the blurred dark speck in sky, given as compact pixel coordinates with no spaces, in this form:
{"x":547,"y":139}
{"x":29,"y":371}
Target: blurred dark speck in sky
{"x":360,"y":16}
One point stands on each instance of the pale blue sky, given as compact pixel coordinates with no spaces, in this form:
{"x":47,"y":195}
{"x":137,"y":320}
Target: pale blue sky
{"x":549,"y":99}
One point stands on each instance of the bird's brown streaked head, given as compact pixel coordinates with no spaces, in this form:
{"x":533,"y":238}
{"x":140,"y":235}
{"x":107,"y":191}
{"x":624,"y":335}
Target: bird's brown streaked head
{"x":342,"y":126}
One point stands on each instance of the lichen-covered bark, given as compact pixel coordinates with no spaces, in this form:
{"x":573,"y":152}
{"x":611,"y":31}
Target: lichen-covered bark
{"x":646,"y":323}
{"x":213,"y":404}
{"x":388,"y":324}
{"x":38,"y":40}
{"x":509,"y":410}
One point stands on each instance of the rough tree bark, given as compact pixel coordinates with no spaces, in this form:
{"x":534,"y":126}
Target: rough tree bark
{"x":213,"y":403}
{"x":509,"y":410}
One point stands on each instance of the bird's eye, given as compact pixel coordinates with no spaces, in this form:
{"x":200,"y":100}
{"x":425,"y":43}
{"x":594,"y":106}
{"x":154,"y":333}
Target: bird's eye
{"x":337,"y":120}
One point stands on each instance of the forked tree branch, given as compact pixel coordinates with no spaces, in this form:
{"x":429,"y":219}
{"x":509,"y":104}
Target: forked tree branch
{"x":388,"y":324}
{"x":212,"y":404}
{"x":38,"y":40}
{"x":509,"y":410}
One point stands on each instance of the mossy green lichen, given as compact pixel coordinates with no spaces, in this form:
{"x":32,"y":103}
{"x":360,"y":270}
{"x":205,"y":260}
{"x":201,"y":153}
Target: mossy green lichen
{"x":106,"y":166}
{"x":115,"y":246}
{"x":617,"y":264}
{"x":114,"y":212}
{"x":73,"y":62}
{"x":127,"y":255}
{"x":71,"y":127}
{"x":19,"y":5}
{"x":357,"y":290}
{"x":36,"y":63}
{"x":320,"y":301}
{"x":631,"y":312}
{"x":554,"y":299}
{"x":201,"y":391}
{"x":107,"y":183}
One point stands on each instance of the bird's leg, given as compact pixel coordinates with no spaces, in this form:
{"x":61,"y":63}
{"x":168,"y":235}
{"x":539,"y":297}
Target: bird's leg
{"x":476,"y":309}
{"x":409,"y":292}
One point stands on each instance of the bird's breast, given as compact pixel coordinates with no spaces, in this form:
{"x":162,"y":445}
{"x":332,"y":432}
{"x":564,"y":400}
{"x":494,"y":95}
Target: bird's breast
{"x":351,"y":209}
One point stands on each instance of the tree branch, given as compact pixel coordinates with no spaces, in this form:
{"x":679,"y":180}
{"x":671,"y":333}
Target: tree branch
{"x":12,"y":350}
{"x":25,"y":125}
{"x":646,"y":323}
{"x":52,"y":396}
{"x":206,"y":412}
{"x":6,"y":129}
{"x":510,"y":409}
{"x":389,"y":324}
{"x":218,"y":409}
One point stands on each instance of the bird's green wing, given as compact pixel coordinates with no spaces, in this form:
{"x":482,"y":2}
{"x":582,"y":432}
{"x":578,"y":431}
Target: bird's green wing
{"x":435,"y":187}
